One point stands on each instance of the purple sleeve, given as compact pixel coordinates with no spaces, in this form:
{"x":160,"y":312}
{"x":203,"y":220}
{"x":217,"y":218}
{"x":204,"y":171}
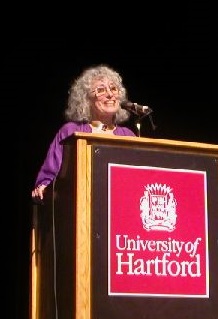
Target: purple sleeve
{"x":124,"y":131}
{"x":53,"y":160}
{"x":52,"y":163}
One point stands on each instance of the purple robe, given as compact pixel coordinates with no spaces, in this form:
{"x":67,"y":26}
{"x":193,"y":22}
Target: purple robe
{"x":53,"y":160}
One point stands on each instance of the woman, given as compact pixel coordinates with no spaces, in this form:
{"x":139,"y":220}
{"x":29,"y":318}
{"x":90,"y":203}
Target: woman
{"x":93,"y":106}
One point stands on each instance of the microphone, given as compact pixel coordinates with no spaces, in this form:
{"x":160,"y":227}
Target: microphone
{"x":136,"y":108}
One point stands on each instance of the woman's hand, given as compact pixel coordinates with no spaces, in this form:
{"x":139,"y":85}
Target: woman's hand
{"x":38,"y":193}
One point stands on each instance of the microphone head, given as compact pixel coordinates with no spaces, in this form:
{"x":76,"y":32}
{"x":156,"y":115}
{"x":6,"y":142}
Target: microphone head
{"x":136,"y":108}
{"x":127,"y":105}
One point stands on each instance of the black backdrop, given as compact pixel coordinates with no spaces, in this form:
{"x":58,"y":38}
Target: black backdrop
{"x":166,"y":54}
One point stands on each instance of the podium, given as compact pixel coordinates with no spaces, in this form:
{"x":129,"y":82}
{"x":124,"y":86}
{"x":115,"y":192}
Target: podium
{"x":129,"y":229}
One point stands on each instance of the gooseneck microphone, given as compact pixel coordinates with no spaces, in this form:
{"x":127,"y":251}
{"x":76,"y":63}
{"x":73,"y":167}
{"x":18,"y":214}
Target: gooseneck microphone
{"x":136,"y":108}
{"x":140,"y":110}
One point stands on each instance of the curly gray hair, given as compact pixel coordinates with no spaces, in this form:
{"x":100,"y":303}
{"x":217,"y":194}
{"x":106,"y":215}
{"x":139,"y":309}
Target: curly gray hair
{"x":79,"y":103}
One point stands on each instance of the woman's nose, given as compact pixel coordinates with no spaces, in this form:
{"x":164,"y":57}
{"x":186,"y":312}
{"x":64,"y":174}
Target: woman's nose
{"x":109,"y":92}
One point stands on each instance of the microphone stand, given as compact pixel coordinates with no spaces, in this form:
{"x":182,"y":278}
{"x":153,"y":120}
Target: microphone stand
{"x":139,"y":119}
{"x":138,"y":125}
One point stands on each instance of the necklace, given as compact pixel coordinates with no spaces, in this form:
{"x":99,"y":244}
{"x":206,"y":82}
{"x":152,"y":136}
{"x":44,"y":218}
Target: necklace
{"x":97,"y":126}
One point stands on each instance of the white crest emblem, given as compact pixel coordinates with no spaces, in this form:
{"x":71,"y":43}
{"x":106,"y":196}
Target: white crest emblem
{"x":158,"y":208}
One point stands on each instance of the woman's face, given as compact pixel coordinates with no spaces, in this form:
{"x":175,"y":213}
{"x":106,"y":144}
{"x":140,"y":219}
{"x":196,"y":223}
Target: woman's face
{"x":105,"y":98}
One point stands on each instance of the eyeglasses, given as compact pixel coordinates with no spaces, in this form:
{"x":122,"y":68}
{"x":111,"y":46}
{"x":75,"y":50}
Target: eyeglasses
{"x":102,"y":90}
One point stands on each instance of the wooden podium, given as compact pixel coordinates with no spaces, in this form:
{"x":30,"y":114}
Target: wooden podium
{"x":69,"y":244}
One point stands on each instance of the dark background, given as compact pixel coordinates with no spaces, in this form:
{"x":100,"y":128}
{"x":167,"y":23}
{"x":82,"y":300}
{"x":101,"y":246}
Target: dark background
{"x":167,"y":56}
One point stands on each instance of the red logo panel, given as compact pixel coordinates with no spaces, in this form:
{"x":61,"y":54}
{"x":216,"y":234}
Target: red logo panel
{"x":157,"y":232}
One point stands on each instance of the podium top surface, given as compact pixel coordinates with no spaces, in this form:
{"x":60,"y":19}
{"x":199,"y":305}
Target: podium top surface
{"x":142,"y":141}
